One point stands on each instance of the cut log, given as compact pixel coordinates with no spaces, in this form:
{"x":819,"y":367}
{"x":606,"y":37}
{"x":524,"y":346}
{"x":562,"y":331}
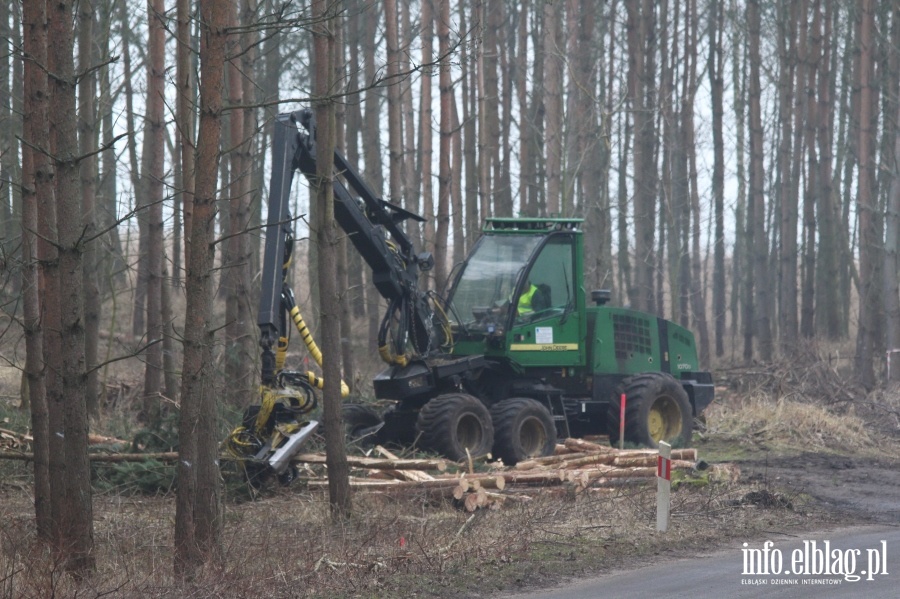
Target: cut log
{"x":580,"y":445}
{"x":561,"y":449}
{"x":369,"y":483}
{"x":378,"y":463}
{"x":534,"y":463}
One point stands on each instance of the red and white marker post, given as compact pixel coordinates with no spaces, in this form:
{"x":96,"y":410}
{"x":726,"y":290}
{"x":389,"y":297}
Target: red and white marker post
{"x":663,"y":486}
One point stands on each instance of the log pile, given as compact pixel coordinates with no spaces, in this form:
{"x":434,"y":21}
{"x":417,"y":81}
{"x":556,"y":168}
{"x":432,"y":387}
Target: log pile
{"x":576,"y":466}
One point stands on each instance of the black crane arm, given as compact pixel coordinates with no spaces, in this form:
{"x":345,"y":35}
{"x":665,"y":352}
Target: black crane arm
{"x":373,"y":226}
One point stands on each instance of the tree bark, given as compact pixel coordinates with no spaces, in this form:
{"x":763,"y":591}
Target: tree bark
{"x":641,"y":51}
{"x":76,"y":523}
{"x":715,"y":66}
{"x":324,"y":18}
{"x":756,"y":320}
{"x":445,"y":160}
{"x":469,"y":136}
{"x":87,"y":140}
{"x":236,"y":259}
{"x":374,"y":167}
{"x":184,"y":116}
{"x":395,"y":107}
{"x":814,"y":175}
{"x":553,"y":75}
{"x":198,"y":507}
{"x":37,"y":174}
{"x":827,"y":301}
{"x":866,"y":205}
{"x":698,"y":297}
{"x":152,"y":176}
{"x":426,"y":153}
{"x":788,"y":158}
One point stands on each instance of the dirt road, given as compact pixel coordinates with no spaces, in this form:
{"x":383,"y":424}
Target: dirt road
{"x":863,"y":489}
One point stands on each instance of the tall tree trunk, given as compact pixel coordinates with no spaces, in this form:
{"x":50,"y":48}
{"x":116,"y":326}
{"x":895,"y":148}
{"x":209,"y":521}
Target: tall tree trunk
{"x":346,"y":291}
{"x":184,"y":115}
{"x":595,"y":174}
{"x":152,"y":174}
{"x":865,"y":204}
{"x":479,"y":20}
{"x":503,"y":195}
{"x":827,"y":301}
{"x":625,"y":286}
{"x":698,"y":297}
{"x":492,"y":16}
{"x":37,"y":175}
{"x":553,"y":76}
{"x":892,"y":264}
{"x":10,"y":224}
{"x":324,"y":17}
{"x":355,"y":33}
{"x":372,"y":152}
{"x":715,"y":67}
{"x":456,"y":185}
{"x":445,"y":160}
{"x":470,"y":139}
{"x":198,"y":507}
{"x":112,"y":260}
{"x":641,"y":76}
{"x":139,"y":309}
{"x":236,"y":258}
{"x":757,"y":316}
{"x":48,"y":261}
{"x":891,"y":267}
{"x":395,"y":108}
{"x":739,"y":254}
{"x":77,"y":538}
{"x":426,"y":151}
{"x":520,"y":74}
{"x":87,"y":140}
{"x":788,"y":159}
{"x":814,"y":173}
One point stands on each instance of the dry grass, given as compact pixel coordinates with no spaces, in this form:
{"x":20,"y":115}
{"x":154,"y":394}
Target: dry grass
{"x":808,"y":402}
{"x":285,"y":546}
{"x":790,"y":423}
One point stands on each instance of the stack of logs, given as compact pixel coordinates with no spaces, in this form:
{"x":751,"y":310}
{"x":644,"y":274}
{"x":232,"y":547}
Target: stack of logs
{"x":576,"y":466}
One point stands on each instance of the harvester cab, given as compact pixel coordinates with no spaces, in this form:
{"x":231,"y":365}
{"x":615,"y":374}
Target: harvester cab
{"x":519,"y":295}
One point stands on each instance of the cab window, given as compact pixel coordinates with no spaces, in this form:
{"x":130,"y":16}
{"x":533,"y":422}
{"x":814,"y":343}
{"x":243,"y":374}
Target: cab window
{"x":548,"y":286}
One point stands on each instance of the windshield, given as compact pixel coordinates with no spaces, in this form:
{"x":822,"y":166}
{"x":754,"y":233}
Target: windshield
{"x":488,"y":278}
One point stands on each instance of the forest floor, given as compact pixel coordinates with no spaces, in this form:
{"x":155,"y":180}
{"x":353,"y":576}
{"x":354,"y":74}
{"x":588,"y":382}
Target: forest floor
{"x":812,"y":454}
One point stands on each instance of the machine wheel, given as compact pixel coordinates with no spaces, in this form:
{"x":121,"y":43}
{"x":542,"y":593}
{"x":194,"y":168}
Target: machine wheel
{"x":286,"y":478}
{"x":358,"y":420}
{"x":449,"y":424}
{"x":523,"y":428}
{"x":657,"y":409}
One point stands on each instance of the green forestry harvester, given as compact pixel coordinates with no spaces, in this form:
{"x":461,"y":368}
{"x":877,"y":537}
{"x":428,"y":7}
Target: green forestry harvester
{"x":515,"y":356}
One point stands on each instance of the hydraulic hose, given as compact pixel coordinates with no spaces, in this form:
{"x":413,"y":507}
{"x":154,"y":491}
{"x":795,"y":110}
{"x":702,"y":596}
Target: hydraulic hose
{"x":313,"y":349}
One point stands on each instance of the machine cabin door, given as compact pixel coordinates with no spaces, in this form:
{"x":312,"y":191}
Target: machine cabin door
{"x":546,"y":311}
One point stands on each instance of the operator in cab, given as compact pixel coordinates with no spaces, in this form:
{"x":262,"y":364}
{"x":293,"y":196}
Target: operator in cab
{"x":525,"y":306}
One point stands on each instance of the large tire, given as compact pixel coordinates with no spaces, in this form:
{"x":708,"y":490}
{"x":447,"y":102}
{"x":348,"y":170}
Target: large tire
{"x":359,"y":422}
{"x":523,"y":428}
{"x":657,"y":409}
{"x":449,"y":424}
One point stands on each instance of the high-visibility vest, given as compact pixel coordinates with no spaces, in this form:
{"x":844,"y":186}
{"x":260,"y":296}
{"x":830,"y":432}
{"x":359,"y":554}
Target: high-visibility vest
{"x":525,"y":300}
